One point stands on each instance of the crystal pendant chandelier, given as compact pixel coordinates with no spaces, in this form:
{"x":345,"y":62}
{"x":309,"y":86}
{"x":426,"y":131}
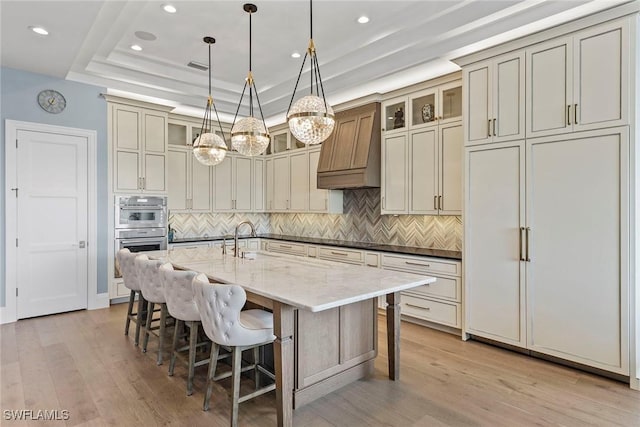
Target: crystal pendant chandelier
{"x":311,"y":119}
{"x":209,"y":148}
{"x":249,"y":136}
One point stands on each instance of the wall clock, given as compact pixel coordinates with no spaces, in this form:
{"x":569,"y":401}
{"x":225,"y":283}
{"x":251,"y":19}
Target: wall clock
{"x":52,"y":101}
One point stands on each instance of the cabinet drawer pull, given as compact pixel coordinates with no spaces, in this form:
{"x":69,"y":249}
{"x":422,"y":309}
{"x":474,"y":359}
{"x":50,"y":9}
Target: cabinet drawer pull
{"x":339,"y":253}
{"x":417,"y":263}
{"x":417,"y":306}
{"x":575,"y":114}
{"x":284,"y":246}
{"x":371,"y":265}
{"x":568,"y":115}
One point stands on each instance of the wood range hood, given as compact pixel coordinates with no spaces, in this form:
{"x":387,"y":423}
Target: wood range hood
{"x":350,"y":157}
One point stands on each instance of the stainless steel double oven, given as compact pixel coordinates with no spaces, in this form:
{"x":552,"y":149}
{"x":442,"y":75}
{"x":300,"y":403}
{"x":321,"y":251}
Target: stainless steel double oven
{"x":140,"y":224}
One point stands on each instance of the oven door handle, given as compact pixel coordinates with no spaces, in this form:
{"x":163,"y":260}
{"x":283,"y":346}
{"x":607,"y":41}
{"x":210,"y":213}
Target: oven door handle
{"x":141,"y":208}
{"x":146,"y":240}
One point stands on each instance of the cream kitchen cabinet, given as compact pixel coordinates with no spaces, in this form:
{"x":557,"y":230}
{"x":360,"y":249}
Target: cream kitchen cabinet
{"x":259,"y":186}
{"x":579,"y":82}
{"x":439,"y":302}
{"x":424,"y":175}
{"x":494,"y":99}
{"x":439,"y":104}
{"x":291,"y":184}
{"x":232,"y":184}
{"x":546,"y":262}
{"x":321,"y":200}
{"x":139,"y":143}
{"x":190,"y":182}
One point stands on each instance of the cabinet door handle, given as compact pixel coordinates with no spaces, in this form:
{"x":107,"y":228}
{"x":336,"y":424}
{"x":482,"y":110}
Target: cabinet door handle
{"x":144,"y":183}
{"x":568,"y":115}
{"x":435,"y":203}
{"x":417,"y":263}
{"x":526,"y":235}
{"x":417,"y":306}
{"x":575,"y":114}
{"x":383,"y":202}
{"x":489,"y":127}
{"x":520,"y":241}
{"x":339,"y":253}
{"x":439,"y":202}
{"x":284,"y":246}
{"x":494,"y":127}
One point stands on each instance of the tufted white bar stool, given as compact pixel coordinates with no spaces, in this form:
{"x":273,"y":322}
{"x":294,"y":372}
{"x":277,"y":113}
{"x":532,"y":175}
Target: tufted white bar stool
{"x":151,"y":286}
{"x":227,"y":325}
{"x":128,"y":270}
{"x":178,"y":292}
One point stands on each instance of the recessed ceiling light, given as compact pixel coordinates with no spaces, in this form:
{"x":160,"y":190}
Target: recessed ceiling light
{"x":169,"y":8}
{"x":363,"y":19}
{"x":295,"y":55}
{"x":136,"y":47}
{"x":39,"y":30}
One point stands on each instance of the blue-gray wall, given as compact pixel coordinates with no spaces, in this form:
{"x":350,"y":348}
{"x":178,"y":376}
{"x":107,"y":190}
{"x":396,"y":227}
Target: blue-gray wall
{"x":86,"y":109}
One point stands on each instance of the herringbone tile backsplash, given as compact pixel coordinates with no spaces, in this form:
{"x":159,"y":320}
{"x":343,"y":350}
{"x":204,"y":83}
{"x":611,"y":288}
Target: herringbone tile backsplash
{"x":361,"y":221}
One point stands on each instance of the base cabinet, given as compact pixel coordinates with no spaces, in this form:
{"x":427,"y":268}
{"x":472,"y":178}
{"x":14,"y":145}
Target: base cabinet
{"x":546,"y":265}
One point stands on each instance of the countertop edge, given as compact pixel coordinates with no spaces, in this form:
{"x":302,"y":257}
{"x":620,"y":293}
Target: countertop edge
{"x":404,"y":250}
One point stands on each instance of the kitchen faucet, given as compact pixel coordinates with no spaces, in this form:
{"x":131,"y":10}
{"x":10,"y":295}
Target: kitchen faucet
{"x":235,"y":237}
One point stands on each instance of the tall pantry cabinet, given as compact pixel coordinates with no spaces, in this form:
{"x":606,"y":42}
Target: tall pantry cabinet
{"x":547,"y":206}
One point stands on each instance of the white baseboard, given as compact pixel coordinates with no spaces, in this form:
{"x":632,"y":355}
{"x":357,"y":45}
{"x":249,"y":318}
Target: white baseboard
{"x":7,"y":316}
{"x":99,"y":301}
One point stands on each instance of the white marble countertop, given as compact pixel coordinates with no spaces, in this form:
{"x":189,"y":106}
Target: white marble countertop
{"x":304,"y":283}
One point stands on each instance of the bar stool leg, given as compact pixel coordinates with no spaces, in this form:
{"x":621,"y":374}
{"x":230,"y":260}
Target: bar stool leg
{"x":193,"y":339}
{"x":141,"y":307}
{"x":147,"y":326}
{"x":236,"y":369}
{"x":213,"y":361}
{"x":132,"y":297}
{"x":174,"y":346}
{"x":161,"y":332}
{"x":256,"y":373}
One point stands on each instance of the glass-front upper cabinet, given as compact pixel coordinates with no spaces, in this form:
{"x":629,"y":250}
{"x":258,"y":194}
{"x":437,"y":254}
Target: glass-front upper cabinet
{"x":394,"y":111}
{"x":177,"y":133}
{"x":279,"y":142}
{"x":437,"y":105}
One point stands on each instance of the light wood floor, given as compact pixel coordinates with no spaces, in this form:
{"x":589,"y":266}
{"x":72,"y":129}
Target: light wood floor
{"x":82,"y":362}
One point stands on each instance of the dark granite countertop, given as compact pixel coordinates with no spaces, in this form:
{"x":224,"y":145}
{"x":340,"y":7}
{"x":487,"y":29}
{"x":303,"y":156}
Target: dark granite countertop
{"x":406,"y":250}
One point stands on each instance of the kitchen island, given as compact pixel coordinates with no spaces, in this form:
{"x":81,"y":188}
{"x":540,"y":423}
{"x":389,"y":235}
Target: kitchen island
{"x":325,"y":316}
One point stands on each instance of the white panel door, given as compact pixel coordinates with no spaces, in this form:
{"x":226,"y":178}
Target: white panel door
{"x":281,"y":183}
{"x":200,"y":185}
{"x":242,"y":183}
{"x":269,"y":177}
{"x":52,"y":223}
{"x":299,"y":163}
{"x":395,"y":176}
{"x":317,"y":196}
{"x":450,"y":169}
{"x":423,"y":171}
{"x":576,"y":286}
{"x":598,"y":93}
{"x":222,"y":187}
{"x":549,"y":85}
{"x":477,"y":105}
{"x":494,"y":215}
{"x":258,"y":185}
{"x":178,"y":191}
{"x":508,"y":96}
